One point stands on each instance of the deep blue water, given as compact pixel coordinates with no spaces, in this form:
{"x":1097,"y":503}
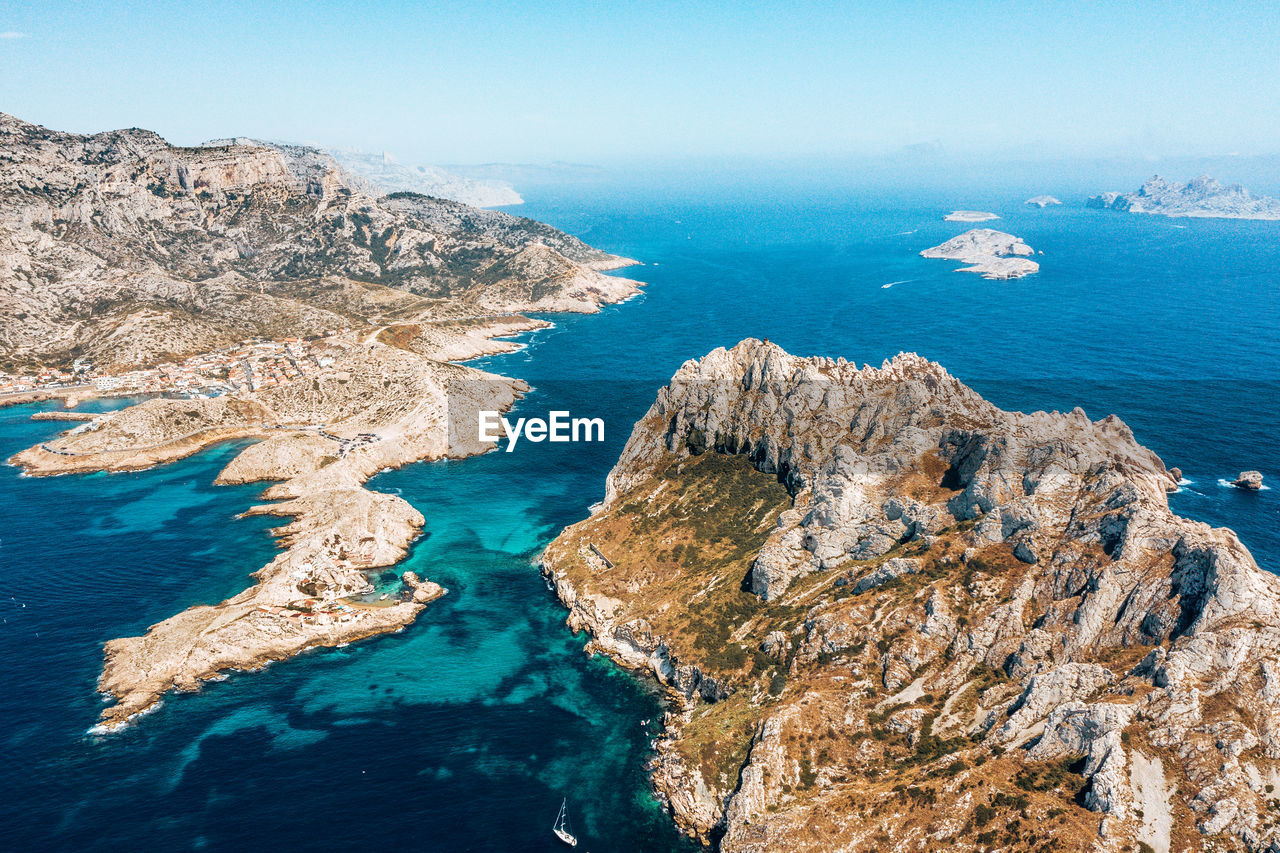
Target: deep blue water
{"x":464,"y":731}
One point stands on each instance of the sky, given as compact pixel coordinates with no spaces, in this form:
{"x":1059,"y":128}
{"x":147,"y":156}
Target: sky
{"x":612,"y":82}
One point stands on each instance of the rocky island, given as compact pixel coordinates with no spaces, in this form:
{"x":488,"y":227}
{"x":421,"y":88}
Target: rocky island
{"x":124,"y":250}
{"x":992,"y":254}
{"x":969,"y":216}
{"x":1043,"y":201}
{"x":889,"y":615}
{"x":1200,"y":197}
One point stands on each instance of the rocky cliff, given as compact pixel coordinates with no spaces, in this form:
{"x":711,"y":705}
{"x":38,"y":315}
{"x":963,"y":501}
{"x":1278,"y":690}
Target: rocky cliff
{"x":892,"y":616}
{"x":129,"y":250}
{"x":1199,"y":197}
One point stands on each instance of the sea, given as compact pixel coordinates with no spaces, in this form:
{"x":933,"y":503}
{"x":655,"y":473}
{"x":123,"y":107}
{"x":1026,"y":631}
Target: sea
{"x":468,"y":729}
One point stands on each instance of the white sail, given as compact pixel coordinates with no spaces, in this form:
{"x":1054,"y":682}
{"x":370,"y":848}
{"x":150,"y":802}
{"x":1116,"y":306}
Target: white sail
{"x":559,"y":829}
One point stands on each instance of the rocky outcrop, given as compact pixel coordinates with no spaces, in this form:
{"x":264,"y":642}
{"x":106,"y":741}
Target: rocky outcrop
{"x":1200,"y":197}
{"x":963,"y":626}
{"x":991,"y":254}
{"x":122,"y":248}
{"x":1042,"y":201}
{"x":1249,"y":481}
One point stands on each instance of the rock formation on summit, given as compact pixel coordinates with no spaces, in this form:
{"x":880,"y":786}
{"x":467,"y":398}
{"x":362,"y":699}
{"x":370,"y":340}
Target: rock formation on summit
{"x":891,"y":616}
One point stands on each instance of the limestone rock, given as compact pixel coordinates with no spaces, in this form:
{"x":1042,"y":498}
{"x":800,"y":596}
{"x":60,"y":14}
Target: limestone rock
{"x":1199,"y":197}
{"x":1249,"y":480}
{"x":1037,"y":602}
{"x":992,"y":254}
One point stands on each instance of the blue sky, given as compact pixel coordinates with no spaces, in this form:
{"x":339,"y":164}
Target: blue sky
{"x":610,"y":82}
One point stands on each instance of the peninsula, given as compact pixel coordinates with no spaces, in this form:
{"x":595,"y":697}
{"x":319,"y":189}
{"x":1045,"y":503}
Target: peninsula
{"x":1201,"y":197}
{"x":889,"y":615}
{"x":992,"y":254}
{"x":324,"y":319}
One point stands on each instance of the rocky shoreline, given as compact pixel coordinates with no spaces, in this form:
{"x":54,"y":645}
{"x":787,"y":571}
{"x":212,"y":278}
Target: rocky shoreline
{"x":890,"y":615}
{"x":380,"y":405}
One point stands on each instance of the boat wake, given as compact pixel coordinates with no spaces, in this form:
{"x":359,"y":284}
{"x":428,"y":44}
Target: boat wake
{"x":892,"y":283}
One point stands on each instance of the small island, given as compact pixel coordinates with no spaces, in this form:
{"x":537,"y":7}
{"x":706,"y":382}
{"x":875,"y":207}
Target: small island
{"x":969,"y":216}
{"x":990,"y":253}
{"x":1043,"y":201}
{"x":1202,"y":197}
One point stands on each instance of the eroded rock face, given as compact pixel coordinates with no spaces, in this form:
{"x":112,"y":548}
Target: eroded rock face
{"x":960,"y":607}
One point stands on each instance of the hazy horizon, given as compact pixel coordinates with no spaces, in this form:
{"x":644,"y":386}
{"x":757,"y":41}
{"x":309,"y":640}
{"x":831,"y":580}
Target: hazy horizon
{"x":655,"y":83}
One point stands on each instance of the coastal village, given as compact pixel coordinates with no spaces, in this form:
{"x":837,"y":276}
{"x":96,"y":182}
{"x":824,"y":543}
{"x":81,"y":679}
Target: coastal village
{"x":250,"y":366}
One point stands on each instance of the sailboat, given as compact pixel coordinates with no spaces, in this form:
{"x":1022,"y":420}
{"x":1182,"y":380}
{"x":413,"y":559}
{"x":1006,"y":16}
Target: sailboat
{"x":561,"y":826}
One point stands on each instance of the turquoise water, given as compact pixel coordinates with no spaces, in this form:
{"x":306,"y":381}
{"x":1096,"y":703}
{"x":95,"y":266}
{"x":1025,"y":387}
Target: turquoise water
{"x":464,"y":731}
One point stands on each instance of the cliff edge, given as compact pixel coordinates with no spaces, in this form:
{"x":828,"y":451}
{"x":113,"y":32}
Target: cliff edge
{"x":891,"y":616}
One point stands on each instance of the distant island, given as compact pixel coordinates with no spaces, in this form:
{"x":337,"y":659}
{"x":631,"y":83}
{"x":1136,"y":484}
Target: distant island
{"x":990,"y":253}
{"x":969,"y":216}
{"x":1201,"y":197}
{"x":1042,"y":201}
{"x":387,"y":174}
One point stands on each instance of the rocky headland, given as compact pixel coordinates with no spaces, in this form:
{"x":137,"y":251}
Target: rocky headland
{"x":989,"y":253}
{"x":969,"y":216}
{"x":121,"y":249}
{"x":1200,"y":197}
{"x":891,"y":616}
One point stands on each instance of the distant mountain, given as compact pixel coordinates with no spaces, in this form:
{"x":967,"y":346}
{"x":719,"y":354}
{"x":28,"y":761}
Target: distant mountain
{"x":1202,"y":197}
{"x":122,"y":248}
{"x":388,"y":175}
